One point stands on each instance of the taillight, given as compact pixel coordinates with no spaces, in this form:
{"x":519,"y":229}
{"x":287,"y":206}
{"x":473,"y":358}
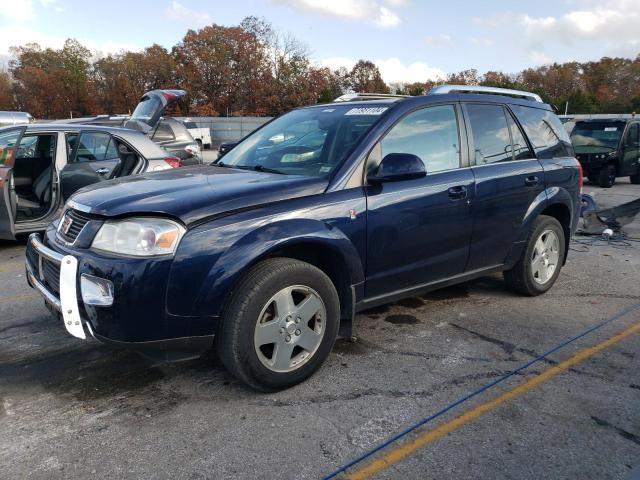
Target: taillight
{"x":581,"y":175}
{"x":174,"y":162}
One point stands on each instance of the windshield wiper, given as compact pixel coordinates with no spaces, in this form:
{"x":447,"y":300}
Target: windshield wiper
{"x":257,"y":168}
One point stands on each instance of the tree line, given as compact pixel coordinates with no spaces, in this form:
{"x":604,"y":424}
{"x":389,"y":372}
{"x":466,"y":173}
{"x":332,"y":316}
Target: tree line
{"x":253,"y":69}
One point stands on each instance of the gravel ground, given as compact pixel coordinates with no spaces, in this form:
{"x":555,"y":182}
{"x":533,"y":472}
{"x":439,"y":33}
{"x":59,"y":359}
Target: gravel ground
{"x":73,"y":409}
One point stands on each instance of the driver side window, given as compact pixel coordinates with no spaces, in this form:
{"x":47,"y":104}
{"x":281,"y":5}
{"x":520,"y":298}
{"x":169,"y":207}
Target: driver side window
{"x":429,"y":133}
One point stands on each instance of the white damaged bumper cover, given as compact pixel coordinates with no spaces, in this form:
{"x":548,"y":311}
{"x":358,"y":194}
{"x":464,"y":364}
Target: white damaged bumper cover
{"x":67,"y":303}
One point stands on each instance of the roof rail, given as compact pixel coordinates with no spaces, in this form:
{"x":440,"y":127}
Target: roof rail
{"x":486,"y":90}
{"x":349,"y":97}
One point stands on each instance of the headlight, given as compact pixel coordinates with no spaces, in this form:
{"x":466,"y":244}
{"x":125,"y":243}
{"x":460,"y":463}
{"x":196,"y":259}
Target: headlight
{"x":142,"y":237}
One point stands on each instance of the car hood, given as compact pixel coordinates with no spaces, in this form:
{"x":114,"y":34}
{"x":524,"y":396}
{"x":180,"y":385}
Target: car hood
{"x":194,"y":193}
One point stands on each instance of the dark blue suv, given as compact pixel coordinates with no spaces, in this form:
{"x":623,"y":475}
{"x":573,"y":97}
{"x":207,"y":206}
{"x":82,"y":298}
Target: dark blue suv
{"x":323,"y":212}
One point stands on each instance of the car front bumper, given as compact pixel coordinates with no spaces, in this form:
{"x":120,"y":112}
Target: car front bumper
{"x":137,"y":319}
{"x":67,"y":302}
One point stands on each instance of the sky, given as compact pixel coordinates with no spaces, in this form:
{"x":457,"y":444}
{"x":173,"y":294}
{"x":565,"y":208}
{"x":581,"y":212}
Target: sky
{"x":409,"y":40}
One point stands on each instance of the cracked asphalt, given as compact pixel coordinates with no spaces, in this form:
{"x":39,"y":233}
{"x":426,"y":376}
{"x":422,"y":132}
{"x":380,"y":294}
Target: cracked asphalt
{"x":73,"y":409}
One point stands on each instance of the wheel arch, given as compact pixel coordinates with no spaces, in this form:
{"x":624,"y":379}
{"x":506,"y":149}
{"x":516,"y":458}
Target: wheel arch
{"x":562,"y":213}
{"x":311,"y":241}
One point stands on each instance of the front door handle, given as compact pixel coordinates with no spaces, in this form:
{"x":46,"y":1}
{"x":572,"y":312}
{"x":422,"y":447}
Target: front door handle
{"x":531,"y":181}
{"x":102,"y":171}
{"x":458,"y":193}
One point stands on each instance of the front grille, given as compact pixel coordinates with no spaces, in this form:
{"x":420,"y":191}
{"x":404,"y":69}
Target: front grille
{"x":78,"y":221}
{"x":51,"y":274}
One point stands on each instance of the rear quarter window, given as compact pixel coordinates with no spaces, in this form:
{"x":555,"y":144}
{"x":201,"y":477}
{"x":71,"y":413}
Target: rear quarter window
{"x":545,"y":131}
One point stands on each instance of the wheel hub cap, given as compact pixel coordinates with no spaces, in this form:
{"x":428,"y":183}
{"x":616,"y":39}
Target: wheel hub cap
{"x":290,"y":328}
{"x":545,"y":256}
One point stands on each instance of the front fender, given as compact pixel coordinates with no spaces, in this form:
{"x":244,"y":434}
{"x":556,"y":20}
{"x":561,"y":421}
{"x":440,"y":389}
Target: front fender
{"x":260,"y":243}
{"x":211,"y":258}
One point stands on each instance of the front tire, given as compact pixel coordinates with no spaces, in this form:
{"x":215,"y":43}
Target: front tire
{"x":607,"y":176}
{"x":539,"y":265}
{"x":635,"y":179}
{"x":279,"y":325}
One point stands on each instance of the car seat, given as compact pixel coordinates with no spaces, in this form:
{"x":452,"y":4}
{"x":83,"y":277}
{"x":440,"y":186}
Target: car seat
{"x":41,"y":191}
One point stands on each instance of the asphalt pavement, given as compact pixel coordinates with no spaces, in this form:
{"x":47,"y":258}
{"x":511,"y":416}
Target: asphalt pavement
{"x":75,"y":409}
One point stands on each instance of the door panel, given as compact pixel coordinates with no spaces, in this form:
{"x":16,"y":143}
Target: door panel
{"x":418,"y":231}
{"x":95,"y":158}
{"x":508,"y":178}
{"x":8,"y":202}
{"x":630,"y":151}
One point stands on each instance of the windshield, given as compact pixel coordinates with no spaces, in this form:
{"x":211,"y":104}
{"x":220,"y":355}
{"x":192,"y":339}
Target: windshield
{"x":148,"y":110}
{"x":309,"y":141}
{"x":593,"y":137}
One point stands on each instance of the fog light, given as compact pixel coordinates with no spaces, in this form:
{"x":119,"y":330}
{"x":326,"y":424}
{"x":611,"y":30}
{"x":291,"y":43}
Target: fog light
{"x":96,"y":291}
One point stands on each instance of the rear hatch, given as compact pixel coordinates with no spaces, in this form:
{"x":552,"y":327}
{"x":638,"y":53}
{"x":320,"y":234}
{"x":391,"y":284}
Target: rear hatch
{"x":151,"y":108}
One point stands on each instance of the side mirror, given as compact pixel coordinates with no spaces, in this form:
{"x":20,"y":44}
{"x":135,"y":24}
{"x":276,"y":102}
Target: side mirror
{"x":395,"y":167}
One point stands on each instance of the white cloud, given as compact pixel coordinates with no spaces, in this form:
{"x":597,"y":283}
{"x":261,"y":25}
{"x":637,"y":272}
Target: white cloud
{"x":380,"y":12}
{"x":23,"y":10}
{"x":482,"y":41}
{"x":15,"y":35}
{"x":393,"y":71}
{"x":19,"y":10}
{"x":607,"y":26}
{"x":180,"y":13}
{"x":334,"y":63}
{"x":439,"y":41}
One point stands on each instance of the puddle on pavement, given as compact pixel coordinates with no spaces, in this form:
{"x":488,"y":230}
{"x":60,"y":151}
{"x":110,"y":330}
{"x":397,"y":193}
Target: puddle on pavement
{"x":402,"y":319}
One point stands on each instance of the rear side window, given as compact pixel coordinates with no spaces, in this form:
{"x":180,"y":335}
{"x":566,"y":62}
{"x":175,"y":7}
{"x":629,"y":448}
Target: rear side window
{"x":431,"y":134}
{"x":521,"y":150}
{"x":163,"y":133}
{"x":94,"y":146}
{"x":545,"y":131}
{"x":490,"y":133}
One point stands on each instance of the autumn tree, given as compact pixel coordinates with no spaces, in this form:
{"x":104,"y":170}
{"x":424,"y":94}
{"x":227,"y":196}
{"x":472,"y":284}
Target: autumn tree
{"x":365,"y":78}
{"x":6,"y":91}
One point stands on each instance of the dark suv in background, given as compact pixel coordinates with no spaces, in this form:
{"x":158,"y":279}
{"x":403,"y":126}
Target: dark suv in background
{"x":608,"y":148}
{"x":323,"y":212}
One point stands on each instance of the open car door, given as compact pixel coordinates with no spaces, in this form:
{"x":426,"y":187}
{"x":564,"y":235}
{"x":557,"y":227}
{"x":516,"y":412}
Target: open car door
{"x":151,"y":109}
{"x":9,"y":139}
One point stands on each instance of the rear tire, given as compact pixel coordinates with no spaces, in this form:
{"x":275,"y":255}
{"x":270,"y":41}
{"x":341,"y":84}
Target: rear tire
{"x":532,"y":275}
{"x":607,"y":176}
{"x":199,"y":142}
{"x":290,"y":302}
{"x":635,"y":179}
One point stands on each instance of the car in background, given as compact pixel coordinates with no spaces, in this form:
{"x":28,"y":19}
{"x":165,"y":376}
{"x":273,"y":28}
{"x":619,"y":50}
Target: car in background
{"x":608,"y":148}
{"x":15,"y":118}
{"x":323,"y":212}
{"x":202,"y":135}
{"x":169,"y":133}
{"x":42,"y":165}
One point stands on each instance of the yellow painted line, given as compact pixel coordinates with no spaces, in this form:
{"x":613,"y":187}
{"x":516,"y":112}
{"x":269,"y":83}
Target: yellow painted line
{"x":407,"y":448}
{"x":18,"y":298}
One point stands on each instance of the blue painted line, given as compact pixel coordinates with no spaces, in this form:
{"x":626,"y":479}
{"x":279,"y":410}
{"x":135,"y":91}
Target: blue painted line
{"x":477,"y":392}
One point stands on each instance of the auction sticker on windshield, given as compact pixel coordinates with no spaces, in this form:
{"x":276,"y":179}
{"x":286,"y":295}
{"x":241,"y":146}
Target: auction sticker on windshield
{"x":367,"y":111}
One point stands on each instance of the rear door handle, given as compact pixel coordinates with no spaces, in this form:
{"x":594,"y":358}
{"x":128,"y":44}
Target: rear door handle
{"x":458,"y":193}
{"x":531,"y":181}
{"x":102,"y":171}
